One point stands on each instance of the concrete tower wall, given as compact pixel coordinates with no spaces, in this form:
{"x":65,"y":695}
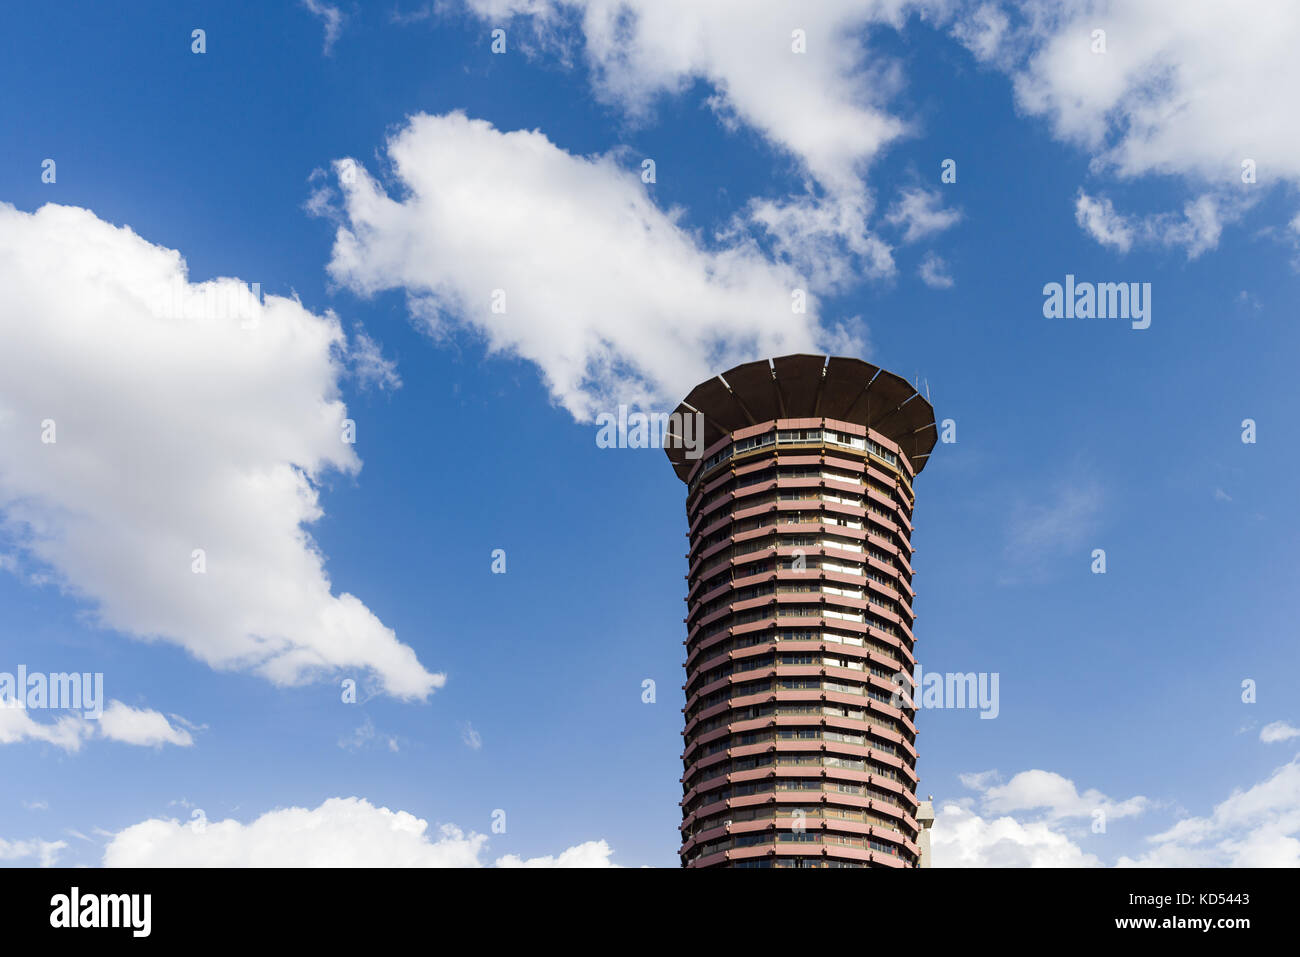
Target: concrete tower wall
{"x":798,"y":751}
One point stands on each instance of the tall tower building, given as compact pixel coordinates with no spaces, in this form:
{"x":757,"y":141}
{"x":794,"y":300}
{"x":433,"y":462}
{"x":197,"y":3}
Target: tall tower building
{"x":799,"y":751}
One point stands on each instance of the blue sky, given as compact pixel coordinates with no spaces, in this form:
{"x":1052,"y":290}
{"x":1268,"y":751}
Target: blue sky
{"x":1120,"y":691}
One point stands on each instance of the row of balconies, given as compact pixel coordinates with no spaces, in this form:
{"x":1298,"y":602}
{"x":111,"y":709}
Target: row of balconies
{"x":827,"y":797}
{"x":875,"y":848}
{"x":744,"y":791}
{"x":767,"y":441}
{"x":783,"y":754}
{"x":781,"y":551}
{"x":782,"y":661}
{"x":755,"y":632}
{"x":852,"y":820}
{"x":867,"y":704}
{"x":847,"y":493}
{"x":855,"y":474}
{"x":826,"y":541}
{"x":864,"y":649}
{"x":705,"y":526}
{"x":733,"y":524}
{"x":793,"y":589}
{"x":802,"y":714}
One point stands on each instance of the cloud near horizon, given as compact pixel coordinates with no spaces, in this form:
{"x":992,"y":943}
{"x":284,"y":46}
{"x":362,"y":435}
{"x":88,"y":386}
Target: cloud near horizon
{"x":341,"y":832}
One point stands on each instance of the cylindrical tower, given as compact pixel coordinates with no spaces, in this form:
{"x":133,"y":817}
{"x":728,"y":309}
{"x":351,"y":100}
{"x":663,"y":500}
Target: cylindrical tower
{"x":799,"y":751}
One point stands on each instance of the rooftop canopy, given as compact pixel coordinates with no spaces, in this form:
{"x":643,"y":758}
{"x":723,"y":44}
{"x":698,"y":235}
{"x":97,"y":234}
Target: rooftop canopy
{"x":806,"y":387}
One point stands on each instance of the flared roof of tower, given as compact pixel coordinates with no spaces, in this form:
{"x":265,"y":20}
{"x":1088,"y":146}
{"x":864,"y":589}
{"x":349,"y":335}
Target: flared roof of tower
{"x":802,"y":387}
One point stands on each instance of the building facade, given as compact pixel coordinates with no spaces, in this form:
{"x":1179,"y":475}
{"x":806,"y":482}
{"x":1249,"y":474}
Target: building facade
{"x":798,"y":749}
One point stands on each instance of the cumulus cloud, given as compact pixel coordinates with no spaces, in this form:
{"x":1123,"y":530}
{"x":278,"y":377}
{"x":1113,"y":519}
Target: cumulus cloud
{"x":589,"y":854}
{"x":1174,"y":91}
{"x":1278,"y":731}
{"x":829,"y":109}
{"x":1026,"y":823}
{"x":1184,"y":88}
{"x":152,"y":428}
{"x":119,"y":722}
{"x":560,"y":259}
{"x":962,"y":838}
{"x":1257,"y":827}
{"x":1022,"y":822}
{"x":341,"y":832}
{"x":45,"y":852}
{"x":1049,"y":794}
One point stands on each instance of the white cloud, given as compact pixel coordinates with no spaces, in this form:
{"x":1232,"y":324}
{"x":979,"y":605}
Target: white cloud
{"x":828,"y":109}
{"x":1184,"y":88}
{"x":1019,"y":824}
{"x":982,"y":30}
{"x":187,"y":416}
{"x":67,"y":732}
{"x":827,"y":241}
{"x":589,"y":854}
{"x":119,"y":722}
{"x":1098,"y":218}
{"x":332,"y":17}
{"x":962,"y":838}
{"x":934,"y":272}
{"x":1051,"y":795}
{"x":1197,"y":230}
{"x":1199,"y":227}
{"x":999,"y":835}
{"x":45,"y":852}
{"x":342,"y":832}
{"x":1278,"y":731}
{"x":1257,"y":827}
{"x":610,"y":297}
{"x":921,"y":213}
{"x":1168,"y":95}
